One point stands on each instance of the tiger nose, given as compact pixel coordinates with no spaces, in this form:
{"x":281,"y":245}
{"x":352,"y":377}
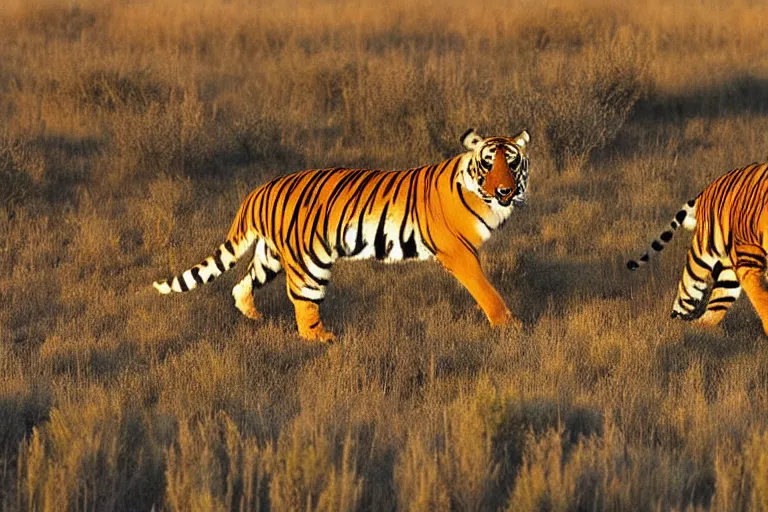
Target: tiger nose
{"x":502,"y":192}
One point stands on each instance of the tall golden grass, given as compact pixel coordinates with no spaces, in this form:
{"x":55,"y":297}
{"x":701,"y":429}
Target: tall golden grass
{"x":129,"y":132}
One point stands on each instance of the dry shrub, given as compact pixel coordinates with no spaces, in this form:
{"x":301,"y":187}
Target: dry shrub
{"x":470,"y":460}
{"x":212,"y":466}
{"x":741,"y":475}
{"x":94,"y":456}
{"x":417,"y":476}
{"x":584,"y":99}
{"x":600,"y":473}
{"x":541,"y":484}
{"x":309,"y":473}
{"x":457,"y":469}
{"x":22,"y":406}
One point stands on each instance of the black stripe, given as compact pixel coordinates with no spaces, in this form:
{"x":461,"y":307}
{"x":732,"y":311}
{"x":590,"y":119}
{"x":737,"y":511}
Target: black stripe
{"x":680,"y":216}
{"x":454,"y":172}
{"x":718,"y":308}
{"x":310,"y":249}
{"x":196,"y":275}
{"x":392,"y":178}
{"x":228,"y":246}
{"x":656,"y":246}
{"x":691,"y":273}
{"x":699,"y":261}
{"x":750,"y":256}
{"x":750,"y":264}
{"x":303,"y":264}
{"x":468,"y":245}
{"x":409,"y":247}
{"x":723,"y":300}
{"x":217,"y":260}
{"x":379,"y":241}
{"x":691,"y":302}
{"x":666,"y":236}
{"x":716,"y":270}
{"x":466,"y":205}
{"x":182,"y":283}
{"x":731,"y":285}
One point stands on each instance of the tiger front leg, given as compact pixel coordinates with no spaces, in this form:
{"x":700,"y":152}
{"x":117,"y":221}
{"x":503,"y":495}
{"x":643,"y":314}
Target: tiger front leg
{"x":308,"y":321}
{"x":465,"y":267}
{"x":306,"y":303}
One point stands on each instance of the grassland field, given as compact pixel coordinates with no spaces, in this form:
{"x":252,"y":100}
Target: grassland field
{"x":130,"y":131}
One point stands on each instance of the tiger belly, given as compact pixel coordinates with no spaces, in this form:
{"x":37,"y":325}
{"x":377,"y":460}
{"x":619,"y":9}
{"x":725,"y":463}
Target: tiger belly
{"x":384,"y":243}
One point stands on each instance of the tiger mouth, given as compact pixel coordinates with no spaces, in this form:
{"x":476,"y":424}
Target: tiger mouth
{"x":516,"y":202}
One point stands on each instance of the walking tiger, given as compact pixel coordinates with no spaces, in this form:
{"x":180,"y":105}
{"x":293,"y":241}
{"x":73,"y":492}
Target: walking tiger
{"x":301,"y":223}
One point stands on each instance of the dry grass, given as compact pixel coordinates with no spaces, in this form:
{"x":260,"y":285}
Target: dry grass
{"x":130,"y":131}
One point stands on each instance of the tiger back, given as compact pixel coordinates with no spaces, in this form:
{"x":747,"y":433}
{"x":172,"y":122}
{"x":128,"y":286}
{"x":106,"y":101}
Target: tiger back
{"x":301,"y":223}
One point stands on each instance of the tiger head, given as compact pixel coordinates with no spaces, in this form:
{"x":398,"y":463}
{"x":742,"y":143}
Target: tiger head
{"x":498,"y":167}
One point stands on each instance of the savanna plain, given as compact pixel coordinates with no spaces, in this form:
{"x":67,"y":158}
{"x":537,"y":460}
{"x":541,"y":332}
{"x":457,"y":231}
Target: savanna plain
{"x":130,"y":131}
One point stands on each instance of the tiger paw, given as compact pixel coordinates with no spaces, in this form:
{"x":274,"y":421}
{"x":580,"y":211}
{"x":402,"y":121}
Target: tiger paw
{"x":317,"y":334}
{"x":506,"y":319}
{"x":244,"y":302}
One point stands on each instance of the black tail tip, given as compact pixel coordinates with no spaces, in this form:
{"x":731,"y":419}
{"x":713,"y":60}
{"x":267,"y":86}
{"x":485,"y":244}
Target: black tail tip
{"x":633,"y":265}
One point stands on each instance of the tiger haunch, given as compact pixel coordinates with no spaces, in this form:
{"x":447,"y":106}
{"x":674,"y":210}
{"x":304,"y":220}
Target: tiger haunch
{"x":303,"y":222}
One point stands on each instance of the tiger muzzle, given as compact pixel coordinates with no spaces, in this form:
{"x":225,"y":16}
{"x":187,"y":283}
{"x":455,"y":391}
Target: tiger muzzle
{"x":504,"y":195}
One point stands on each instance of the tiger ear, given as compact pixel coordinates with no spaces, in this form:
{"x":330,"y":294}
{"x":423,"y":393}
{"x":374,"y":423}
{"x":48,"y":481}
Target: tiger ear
{"x":470,"y":139}
{"x":522,"y":138}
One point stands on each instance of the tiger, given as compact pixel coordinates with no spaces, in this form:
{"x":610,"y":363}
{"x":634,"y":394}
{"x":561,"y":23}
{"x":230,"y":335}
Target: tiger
{"x":301,"y":223}
{"x":728,"y":251}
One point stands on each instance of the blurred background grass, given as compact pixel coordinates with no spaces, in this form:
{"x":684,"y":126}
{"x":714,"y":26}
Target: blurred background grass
{"x":129,"y":132}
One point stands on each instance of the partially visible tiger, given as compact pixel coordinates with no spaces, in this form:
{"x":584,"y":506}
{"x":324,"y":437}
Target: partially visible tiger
{"x":303,"y":222}
{"x":728,"y":252}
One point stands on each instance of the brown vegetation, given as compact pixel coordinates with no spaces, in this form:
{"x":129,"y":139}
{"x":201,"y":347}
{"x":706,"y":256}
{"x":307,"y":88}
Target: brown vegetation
{"x":129,"y":132}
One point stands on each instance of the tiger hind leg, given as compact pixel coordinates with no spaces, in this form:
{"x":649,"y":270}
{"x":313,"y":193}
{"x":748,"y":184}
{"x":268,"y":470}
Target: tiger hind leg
{"x":725,"y":291}
{"x":263,"y":268}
